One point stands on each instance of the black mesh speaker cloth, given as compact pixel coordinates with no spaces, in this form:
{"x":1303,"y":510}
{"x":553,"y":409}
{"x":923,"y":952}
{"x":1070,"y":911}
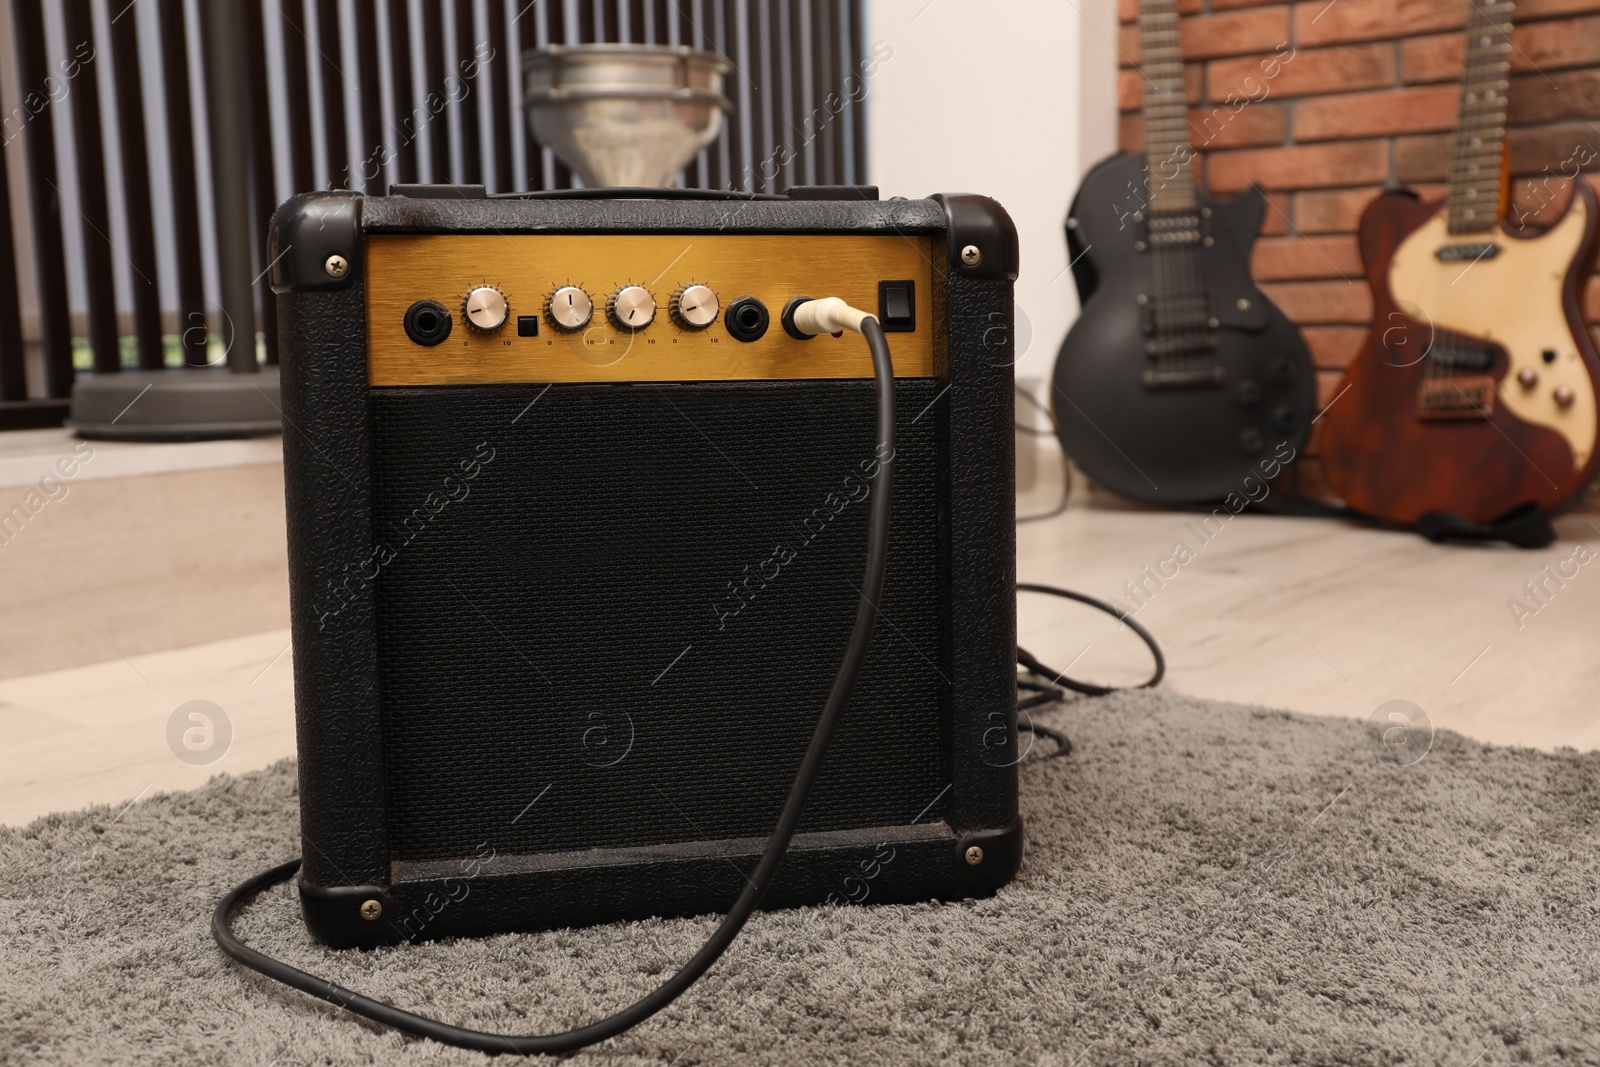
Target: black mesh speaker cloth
{"x":609,"y":614}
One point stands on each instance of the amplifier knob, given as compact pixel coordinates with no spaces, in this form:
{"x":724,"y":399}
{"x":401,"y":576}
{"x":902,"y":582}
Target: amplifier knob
{"x":694,"y":307}
{"x":569,"y":308}
{"x":631,"y":307}
{"x":485,"y":308}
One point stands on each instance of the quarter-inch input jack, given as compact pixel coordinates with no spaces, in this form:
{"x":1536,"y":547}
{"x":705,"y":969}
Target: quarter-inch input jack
{"x":787,"y":319}
{"x":747,"y":319}
{"x":428,"y":322}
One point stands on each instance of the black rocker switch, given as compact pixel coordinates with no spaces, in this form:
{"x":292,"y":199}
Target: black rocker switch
{"x":897,"y":307}
{"x":527,"y":326}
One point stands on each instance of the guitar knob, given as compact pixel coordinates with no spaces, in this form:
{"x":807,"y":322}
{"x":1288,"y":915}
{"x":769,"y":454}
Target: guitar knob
{"x":631,"y":307}
{"x":1527,"y":377}
{"x":569,"y":308}
{"x":1284,"y":416}
{"x":485,"y":309}
{"x":694,"y":307}
{"x":1250,"y":439}
{"x":1247,"y":393}
{"x":1564,"y":396}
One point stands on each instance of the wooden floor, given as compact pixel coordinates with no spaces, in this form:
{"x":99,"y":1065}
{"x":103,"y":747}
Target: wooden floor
{"x":1313,"y":615}
{"x":1327,"y":617}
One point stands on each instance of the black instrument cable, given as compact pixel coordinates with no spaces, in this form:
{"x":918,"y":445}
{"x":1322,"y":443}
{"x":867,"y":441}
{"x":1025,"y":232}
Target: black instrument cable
{"x":1055,"y":687}
{"x":799,"y":792}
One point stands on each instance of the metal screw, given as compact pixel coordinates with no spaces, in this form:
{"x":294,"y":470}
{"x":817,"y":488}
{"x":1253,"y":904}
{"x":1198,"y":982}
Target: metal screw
{"x":974,"y":855}
{"x":337,"y":267}
{"x":371,"y":909}
{"x":1243,"y":304}
{"x":971,"y":256}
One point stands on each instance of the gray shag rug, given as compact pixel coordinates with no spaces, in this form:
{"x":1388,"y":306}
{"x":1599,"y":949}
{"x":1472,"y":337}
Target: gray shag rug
{"x":1203,"y":883}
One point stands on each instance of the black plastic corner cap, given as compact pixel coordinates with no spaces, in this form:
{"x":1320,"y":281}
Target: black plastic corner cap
{"x":979,"y":222}
{"x":307,"y":233}
{"x":334,"y":915}
{"x":999,"y":858}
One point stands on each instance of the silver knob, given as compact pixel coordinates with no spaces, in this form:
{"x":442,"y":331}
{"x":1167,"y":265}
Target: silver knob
{"x":485,"y":308}
{"x":570,"y":308}
{"x":694,"y":307}
{"x":631,"y":307}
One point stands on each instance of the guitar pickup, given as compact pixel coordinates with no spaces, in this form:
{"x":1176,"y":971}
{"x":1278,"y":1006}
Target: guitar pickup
{"x":1461,"y":253}
{"x":1462,"y":357}
{"x":1198,"y":378}
{"x":1186,"y":344}
{"x":1457,"y":398}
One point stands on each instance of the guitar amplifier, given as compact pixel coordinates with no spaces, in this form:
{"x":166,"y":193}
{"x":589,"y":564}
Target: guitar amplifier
{"x":576,"y":525}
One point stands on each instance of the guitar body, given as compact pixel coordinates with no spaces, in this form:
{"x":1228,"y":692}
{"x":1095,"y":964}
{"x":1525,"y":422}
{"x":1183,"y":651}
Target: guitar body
{"x":1191,"y":443}
{"x":1523,"y":428}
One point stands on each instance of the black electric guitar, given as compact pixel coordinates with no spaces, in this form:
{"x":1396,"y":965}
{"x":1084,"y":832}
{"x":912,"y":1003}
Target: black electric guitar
{"x":1180,"y":379}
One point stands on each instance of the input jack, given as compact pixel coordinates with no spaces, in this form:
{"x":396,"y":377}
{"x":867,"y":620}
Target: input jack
{"x":428,"y":322}
{"x":747,"y":319}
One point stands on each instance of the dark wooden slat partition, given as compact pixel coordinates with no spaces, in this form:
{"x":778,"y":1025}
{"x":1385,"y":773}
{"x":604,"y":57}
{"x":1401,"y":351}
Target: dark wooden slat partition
{"x":438,"y":119}
{"x":452,"y":116}
{"x":263,"y":195}
{"x":498,"y":86}
{"x":297,"y":92}
{"x":373,"y":152}
{"x":13,"y":369}
{"x":406,"y":121}
{"x":854,"y":49}
{"x":335,"y":139}
{"x":184,"y":220}
{"x":138,"y":207}
{"x":91,"y":206}
{"x":467,"y":71}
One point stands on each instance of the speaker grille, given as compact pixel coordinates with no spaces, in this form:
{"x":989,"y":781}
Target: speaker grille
{"x":561,"y":665}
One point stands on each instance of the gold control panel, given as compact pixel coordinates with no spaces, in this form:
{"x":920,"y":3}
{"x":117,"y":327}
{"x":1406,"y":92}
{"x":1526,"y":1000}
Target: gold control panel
{"x":472,"y":308}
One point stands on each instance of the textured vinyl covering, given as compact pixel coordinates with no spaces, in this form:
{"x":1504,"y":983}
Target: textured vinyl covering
{"x":626,"y":603}
{"x":1204,"y":884}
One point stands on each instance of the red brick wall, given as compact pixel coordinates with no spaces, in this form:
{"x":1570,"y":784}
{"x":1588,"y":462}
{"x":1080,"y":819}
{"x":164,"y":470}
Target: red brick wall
{"x":1367,"y":96}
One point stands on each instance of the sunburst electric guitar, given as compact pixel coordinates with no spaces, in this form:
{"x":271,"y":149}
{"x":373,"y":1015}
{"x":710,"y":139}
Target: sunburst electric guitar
{"x":1475,"y":394}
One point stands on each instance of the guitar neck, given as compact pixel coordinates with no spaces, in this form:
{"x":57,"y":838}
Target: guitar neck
{"x":1166,"y":115}
{"x":1477,"y":165}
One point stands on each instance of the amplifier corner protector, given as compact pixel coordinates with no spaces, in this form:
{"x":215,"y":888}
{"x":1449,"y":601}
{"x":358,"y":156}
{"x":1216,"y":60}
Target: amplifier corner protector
{"x":979,"y":223}
{"x":308,"y":233}
{"x":985,"y":860}
{"x":350,"y":916}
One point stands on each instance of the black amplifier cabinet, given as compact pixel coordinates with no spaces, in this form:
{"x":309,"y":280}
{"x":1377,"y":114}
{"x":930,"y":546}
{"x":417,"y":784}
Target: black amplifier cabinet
{"x":570,"y":584}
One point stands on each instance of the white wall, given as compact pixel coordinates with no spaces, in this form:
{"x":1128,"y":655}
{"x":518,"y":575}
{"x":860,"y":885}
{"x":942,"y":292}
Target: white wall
{"x":1015,"y":99}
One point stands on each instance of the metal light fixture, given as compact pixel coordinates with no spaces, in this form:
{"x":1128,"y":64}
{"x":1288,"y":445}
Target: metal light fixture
{"x":624,"y":115}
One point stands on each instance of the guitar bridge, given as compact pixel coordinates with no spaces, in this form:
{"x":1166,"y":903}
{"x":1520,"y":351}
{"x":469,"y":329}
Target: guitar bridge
{"x":1457,"y":398}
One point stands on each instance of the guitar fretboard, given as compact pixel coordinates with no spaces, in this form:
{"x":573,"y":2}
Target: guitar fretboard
{"x":1166,"y":116}
{"x":1476,"y":171}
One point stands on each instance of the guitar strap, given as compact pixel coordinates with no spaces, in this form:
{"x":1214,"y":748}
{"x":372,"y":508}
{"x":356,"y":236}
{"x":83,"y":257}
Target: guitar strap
{"x":1526,"y":526}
